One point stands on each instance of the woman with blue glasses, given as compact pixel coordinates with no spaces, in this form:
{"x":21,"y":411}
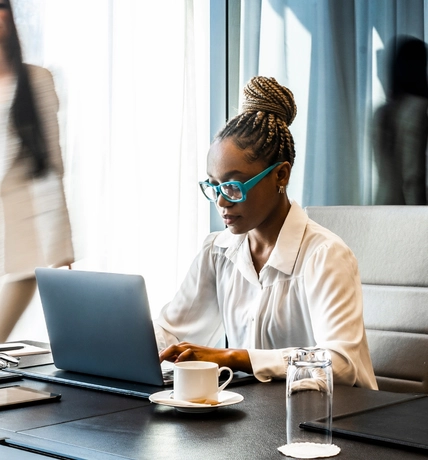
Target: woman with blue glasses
{"x":272,"y":280}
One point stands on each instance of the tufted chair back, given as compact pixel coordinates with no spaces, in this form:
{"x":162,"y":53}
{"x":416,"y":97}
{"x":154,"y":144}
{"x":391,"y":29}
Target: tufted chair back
{"x":391,"y":246}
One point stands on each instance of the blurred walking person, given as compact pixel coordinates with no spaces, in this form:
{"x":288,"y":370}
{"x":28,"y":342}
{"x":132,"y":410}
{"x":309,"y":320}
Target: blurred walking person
{"x":401,"y":127}
{"x":34,"y":222}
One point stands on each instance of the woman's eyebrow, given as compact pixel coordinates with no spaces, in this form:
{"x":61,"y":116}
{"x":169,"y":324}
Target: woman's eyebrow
{"x":227,"y":175}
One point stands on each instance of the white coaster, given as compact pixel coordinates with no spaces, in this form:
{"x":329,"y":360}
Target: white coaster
{"x":309,"y":450}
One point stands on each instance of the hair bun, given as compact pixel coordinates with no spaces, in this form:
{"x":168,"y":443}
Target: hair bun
{"x":267,"y":95}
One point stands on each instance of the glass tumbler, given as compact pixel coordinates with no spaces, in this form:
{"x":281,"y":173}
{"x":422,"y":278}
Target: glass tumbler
{"x":309,"y":397}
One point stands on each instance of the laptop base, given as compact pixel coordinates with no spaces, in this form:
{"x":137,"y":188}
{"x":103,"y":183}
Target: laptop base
{"x":51,"y":373}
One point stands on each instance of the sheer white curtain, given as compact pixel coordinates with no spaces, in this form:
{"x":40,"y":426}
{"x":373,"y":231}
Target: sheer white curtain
{"x":131,"y":77}
{"x":330,"y":54}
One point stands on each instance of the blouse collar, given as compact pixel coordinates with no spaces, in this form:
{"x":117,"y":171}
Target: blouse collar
{"x":284,"y":254}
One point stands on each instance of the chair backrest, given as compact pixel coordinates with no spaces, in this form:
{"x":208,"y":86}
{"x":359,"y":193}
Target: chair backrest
{"x":391,"y":246}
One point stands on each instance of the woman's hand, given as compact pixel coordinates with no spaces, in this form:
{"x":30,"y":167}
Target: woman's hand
{"x":184,"y":351}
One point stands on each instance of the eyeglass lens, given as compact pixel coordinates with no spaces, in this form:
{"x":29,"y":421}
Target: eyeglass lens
{"x":231,"y":191}
{"x":209,"y":192}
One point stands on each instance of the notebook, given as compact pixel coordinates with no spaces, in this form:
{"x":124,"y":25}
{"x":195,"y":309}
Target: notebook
{"x":100,"y":324}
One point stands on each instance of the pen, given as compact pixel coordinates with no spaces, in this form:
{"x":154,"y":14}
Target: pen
{"x":10,"y":347}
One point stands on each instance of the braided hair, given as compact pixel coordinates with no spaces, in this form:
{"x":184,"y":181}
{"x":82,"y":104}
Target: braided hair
{"x":267,"y":111}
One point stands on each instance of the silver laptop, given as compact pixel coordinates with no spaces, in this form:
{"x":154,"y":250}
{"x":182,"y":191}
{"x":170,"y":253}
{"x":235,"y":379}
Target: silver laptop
{"x":100,"y":324}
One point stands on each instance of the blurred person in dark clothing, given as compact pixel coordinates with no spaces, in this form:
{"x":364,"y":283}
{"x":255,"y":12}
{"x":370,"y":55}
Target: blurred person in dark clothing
{"x":401,"y":127}
{"x":34,"y":222}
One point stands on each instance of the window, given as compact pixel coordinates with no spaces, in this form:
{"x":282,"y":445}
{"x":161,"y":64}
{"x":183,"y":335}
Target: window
{"x":132,"y":80}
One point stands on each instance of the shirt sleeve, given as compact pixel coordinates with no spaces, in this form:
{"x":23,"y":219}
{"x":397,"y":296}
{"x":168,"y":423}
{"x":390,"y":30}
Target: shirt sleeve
{"x":193,"y":315}
{"x":269,"y":364}
{"x":334,"y":296}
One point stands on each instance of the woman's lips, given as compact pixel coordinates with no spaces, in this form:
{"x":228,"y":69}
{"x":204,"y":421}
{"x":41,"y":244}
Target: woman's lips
{"x":229,"y":219}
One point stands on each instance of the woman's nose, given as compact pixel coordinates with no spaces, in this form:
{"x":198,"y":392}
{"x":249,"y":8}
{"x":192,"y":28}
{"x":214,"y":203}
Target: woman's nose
{"x":222,"y":202}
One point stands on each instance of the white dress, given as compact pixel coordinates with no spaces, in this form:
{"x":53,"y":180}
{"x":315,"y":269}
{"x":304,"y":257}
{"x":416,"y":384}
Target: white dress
{"x":34,"y":222}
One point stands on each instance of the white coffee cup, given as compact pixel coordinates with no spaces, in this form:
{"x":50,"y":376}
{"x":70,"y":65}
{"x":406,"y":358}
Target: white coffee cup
{"x":197,"y":381}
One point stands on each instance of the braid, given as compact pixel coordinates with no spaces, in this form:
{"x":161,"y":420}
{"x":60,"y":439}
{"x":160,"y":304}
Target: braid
{"x":267,"y":111}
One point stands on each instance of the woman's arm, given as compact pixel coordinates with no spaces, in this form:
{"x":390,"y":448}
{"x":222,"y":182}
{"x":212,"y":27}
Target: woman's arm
{"x":193,"y":315}
{"x":334,"y":293}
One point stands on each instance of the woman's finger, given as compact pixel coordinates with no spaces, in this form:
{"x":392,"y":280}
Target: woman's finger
{"x":170,"y":353}
{"x":186,"y":355}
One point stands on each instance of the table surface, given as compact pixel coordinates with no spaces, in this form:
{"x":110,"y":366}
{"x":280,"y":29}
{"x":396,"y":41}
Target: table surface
{"x":90,"y":424}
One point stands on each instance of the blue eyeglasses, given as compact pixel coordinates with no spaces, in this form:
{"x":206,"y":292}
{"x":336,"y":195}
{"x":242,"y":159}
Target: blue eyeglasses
{"x":233,"y":191}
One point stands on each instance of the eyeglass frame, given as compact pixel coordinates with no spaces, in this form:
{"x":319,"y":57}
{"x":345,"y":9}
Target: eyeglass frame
{"x":244,"y":187}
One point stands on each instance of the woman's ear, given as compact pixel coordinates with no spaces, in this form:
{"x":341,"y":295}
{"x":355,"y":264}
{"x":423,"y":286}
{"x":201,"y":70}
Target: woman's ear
{"x":283,"y":174}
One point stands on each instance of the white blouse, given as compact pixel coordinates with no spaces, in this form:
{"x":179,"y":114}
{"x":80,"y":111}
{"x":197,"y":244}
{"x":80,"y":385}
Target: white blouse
{"x":307,"y":294}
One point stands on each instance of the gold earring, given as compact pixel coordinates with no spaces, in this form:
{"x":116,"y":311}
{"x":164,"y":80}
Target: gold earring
{"x":281,"y":189}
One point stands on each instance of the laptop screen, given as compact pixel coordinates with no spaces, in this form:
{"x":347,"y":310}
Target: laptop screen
{"x":100,"y":324}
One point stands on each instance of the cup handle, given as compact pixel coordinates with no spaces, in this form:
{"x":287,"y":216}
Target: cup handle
{"x":224,"y":385}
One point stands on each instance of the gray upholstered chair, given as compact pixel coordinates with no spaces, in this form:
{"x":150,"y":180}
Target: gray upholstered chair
{"x":391,"y":246}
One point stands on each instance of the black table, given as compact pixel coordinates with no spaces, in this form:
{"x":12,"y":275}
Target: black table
{"x":92,"y":425}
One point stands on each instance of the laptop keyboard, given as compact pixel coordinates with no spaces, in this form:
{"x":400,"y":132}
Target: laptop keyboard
{"x":168,"y":375}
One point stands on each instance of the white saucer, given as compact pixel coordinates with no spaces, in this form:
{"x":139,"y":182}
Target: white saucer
{"x":225,"y":398}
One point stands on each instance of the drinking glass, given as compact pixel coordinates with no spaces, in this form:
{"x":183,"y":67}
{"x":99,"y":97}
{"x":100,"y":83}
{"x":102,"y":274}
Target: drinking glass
{"x":309,"y":397}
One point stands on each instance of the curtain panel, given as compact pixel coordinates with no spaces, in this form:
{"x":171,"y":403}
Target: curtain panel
{"x":131,"y":77}
{"x":331,"y":54}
